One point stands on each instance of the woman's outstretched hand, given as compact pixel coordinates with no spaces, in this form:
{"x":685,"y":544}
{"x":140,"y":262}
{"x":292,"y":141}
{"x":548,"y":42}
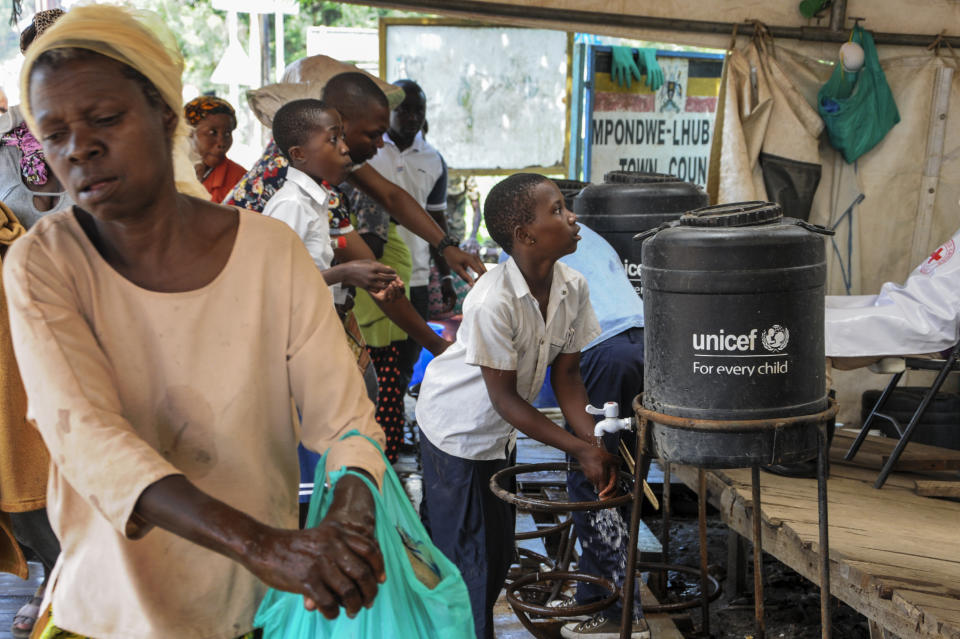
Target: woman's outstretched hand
{"x":335,"y":564}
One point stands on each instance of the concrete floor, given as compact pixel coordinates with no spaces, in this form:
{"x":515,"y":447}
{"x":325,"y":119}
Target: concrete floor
{"x":14,"y":592}
{"x":505,"y":623}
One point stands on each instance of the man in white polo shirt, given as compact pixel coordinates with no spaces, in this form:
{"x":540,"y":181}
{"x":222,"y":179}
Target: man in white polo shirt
{"x":410,"y":162}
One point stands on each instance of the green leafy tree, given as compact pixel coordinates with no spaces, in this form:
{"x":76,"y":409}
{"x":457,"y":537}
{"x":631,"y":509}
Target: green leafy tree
{"x":201,"y":33}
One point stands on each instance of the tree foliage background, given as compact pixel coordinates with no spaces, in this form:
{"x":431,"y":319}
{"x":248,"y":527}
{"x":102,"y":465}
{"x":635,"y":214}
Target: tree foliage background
{"x":202,"y":33}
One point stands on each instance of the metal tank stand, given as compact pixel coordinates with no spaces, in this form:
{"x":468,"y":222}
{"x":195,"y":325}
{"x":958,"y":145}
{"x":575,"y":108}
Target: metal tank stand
{"x":644,"y":418}
{"x":760,"y":626}
{"x":823,"y":472}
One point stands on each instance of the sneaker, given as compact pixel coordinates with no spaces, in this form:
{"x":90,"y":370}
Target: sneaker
{"x":564,"y":603}
{"x":599,"y":627}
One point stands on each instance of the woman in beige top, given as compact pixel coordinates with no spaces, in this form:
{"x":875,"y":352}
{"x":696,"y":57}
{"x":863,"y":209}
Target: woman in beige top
{"x":160,"y":337}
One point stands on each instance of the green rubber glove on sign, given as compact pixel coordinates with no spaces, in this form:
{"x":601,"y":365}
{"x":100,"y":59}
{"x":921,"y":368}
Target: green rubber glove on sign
{"x":624,"y":69}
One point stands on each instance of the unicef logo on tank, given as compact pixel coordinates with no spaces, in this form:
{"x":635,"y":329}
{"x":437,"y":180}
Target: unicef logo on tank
{"x":775,"y":338}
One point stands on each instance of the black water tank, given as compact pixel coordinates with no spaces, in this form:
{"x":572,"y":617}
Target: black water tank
{"x":631,"y":203}
{"x":570,"y":189}
{"x":733,"y":312}
{"x":637,"y":177}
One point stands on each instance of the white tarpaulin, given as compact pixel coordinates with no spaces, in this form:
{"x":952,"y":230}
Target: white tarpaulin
{"x":764,"y":113}
{"x":909,"y":183}
{"x":894,"y":205}
{"x":891,"y":208}
{"x":613,"y":17}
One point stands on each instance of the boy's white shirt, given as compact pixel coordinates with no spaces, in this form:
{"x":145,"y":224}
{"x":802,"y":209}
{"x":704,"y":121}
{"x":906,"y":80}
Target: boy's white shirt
{"x":503,"y":329}
{"x":303,"y":205}
{"x":416,"y":170}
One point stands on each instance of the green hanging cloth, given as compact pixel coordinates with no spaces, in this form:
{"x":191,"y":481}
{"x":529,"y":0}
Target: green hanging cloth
{"x":858,"y":109}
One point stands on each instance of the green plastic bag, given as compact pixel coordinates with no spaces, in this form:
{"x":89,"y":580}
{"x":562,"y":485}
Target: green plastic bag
{"x":404,"y":607}
{"x":858,"y":117}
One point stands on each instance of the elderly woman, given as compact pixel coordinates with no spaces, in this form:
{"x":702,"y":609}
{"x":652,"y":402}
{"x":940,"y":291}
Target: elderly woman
{"x":163,"y":335}
{"x":213,"y":121}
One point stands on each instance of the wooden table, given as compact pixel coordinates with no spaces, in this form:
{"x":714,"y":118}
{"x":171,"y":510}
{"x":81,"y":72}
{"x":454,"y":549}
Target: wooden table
{"x":894,"y":555}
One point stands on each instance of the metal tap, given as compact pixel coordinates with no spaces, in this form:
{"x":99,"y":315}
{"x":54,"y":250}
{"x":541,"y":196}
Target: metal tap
{"x":611,"y":422}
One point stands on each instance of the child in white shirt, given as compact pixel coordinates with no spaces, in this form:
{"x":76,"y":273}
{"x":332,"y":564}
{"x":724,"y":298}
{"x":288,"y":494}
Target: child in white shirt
{"x":310,"y":135}
{"x":522,"y":316}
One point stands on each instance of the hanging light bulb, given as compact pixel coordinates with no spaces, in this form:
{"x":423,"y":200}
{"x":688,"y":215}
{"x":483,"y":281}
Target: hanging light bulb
{"x":851,"y":57}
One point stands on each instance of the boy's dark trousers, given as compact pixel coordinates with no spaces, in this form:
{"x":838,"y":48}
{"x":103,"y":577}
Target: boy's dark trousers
{"x":410,"y":349}
{"x":469,"y":524}
{"x":612,"y":371}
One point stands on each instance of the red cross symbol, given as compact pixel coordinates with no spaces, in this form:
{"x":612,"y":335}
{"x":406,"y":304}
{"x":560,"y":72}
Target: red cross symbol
{"x":936,"y":255}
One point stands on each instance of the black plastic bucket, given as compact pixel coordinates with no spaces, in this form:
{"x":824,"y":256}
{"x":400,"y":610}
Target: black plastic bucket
{"x":734,"y":325}
{"x":631,"y":204}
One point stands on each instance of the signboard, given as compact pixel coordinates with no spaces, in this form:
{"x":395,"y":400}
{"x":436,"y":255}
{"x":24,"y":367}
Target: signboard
{"x":497,"y":97}
{"x":665,"y":131}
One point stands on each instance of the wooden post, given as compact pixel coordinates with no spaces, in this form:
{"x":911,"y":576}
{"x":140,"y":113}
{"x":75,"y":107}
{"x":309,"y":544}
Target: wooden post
{"x":736,"y":564}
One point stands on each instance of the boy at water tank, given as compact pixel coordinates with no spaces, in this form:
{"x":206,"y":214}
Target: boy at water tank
{"x":611,"y":367}
{"x":521,"y":317}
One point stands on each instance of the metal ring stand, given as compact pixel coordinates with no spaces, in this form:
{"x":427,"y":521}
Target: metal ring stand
{"x":546,"y":506}
{"x":644,"y":418}
{"x":559,"y":575}
{"x":564,"y":549}
{"x":713,"y":587}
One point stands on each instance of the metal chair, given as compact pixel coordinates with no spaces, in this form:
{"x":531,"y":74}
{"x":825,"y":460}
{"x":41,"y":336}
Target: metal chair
{"x":898,"y":366}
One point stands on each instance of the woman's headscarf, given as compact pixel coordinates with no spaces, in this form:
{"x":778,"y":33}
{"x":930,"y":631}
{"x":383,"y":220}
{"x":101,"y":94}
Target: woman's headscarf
{"x":42,"y":20}
{"x":138,"y":39}
{"x":205,"y":105}
{"x":304,"y":78}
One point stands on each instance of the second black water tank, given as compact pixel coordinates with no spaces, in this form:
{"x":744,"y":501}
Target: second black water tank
{"x":631,"y":203}
{"x":569,"y":189}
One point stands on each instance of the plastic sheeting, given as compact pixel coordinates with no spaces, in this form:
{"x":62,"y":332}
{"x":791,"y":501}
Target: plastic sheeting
{"x":766,"y":132}
{"x":611,"y":17}
{"x":909,"y":183}
{"x":894,"y":205}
